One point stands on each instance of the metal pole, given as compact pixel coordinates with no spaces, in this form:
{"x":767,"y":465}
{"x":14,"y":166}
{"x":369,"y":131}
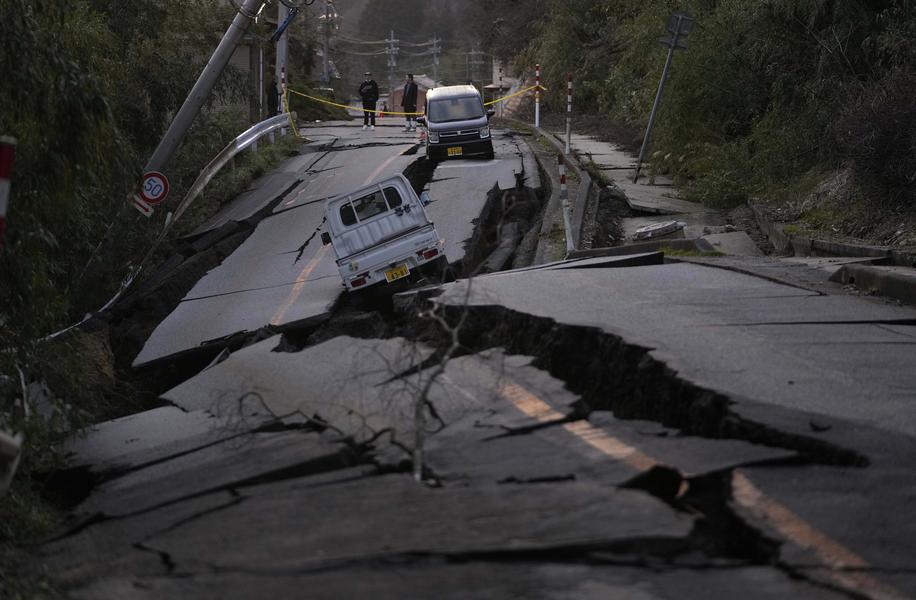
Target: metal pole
{"x":392,"y":64}
{"x":325,"y":73}
{"x":204,"y":86}
{"x":260,"y":82}
{"x":537,"y":95}
{"x":435,"y":59}
{"x":282,"y":56}
{"x":7,"y":158}
{"x":568,"y":111}
{"x":658,"y":98}
{"x":564,"y":199}
{"x":501,"y":106}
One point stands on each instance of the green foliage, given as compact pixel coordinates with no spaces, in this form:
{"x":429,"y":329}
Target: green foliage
{"x":768,"y":90}
{"x":89,"y":88}
{"x":310,"y":110}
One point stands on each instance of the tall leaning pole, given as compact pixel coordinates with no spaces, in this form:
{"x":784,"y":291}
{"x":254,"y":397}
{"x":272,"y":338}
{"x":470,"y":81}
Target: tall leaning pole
{"x":203,"y":87}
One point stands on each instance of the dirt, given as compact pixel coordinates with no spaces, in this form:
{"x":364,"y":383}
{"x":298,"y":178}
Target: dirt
{"x":841,"y":210}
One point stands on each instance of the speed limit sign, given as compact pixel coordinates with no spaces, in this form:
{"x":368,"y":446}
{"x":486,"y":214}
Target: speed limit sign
{"x":155,"y":188}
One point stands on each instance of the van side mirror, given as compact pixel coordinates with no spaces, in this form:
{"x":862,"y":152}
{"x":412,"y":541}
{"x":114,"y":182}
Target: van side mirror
{"x":490,"y":113}
{"x":425,"y":200}
{"x":325,"y":238}
{"x":421,"y":121}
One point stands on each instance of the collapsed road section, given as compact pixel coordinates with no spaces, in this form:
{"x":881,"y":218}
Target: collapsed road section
{"x":279,"y":276}
{"x":590,"y":444}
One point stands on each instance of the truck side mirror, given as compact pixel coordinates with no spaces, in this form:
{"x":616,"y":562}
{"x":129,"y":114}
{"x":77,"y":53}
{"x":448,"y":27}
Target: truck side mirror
{"x":490,"y":113}
{"x":421,"y":121}
{"x":425,"y":200}
{"x":325,"y":238}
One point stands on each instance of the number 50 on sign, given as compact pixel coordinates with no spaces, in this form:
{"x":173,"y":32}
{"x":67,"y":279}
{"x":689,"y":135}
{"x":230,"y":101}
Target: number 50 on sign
{"x":155,"y":188}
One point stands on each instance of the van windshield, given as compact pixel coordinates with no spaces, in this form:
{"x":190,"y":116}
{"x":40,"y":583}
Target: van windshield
{"x":455,"y":109}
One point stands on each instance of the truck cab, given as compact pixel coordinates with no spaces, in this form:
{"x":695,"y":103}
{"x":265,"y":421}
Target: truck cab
{"x":381,"y":234}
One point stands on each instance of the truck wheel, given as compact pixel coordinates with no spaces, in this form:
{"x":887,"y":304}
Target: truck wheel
{"x":445,"y":270}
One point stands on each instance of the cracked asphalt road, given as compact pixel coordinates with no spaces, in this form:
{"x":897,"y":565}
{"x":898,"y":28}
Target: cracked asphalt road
{"x":607,"y":429}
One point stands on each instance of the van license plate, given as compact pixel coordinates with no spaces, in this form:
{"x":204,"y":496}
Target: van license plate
{"x":455,"y":151}
{"x":399,"y":272}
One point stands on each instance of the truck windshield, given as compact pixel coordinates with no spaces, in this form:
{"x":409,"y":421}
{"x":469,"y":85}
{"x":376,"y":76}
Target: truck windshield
{"x":455,"y":109}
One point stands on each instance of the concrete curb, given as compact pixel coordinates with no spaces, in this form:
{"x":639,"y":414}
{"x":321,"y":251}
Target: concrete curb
{"x":585,"y":187}
{"x":804,"y":246}
{"x":551,"y":209}
{"x":880,"y":280}
{"x":697,"y":245}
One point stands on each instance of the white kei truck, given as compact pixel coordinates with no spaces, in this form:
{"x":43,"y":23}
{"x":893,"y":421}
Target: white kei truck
{"x":382,"y":234}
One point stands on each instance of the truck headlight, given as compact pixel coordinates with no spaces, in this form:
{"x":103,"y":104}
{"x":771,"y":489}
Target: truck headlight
{"x":485,"y":132}
{"x":433,"y":137}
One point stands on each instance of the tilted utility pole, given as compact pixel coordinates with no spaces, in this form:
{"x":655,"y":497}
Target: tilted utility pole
{"x":203,"y":88}
{"x":679,"y":26}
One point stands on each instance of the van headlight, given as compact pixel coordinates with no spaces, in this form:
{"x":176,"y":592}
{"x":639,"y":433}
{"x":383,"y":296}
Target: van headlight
{"x":433,"y":137}
{"x":485,"y":132}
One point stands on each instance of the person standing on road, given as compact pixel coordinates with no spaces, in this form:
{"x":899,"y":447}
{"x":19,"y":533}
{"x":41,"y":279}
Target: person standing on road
{"x":409,"y":103}
{"x":273,"y":97}
{"x":368,"y":91}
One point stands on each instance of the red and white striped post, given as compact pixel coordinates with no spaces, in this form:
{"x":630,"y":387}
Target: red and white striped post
{"x":7,"y":157}
{"x":537,"y":95}
{"x":284,"y":99}
{"x":564,"y":200}
{"x":568,"y":111}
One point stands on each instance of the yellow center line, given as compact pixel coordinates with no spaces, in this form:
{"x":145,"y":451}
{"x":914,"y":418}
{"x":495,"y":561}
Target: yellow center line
{"x":594,"y":436}
{"x":297,"y":289}
{"x":831,"y":553}
{"x":310,"y":266}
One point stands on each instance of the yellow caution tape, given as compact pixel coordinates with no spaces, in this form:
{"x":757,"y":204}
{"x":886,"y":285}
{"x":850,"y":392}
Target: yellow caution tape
{"x":518,"y":93}
{"x":405,"y":114}
{"x":387,"y":112}
{"x":291,"y":123}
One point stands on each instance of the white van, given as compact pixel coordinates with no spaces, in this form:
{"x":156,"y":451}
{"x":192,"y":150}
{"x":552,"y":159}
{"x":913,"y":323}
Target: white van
{"x":381,"y":233}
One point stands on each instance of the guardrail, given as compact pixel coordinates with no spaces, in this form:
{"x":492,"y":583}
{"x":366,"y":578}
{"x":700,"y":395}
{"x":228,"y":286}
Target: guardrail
{"x":246,"y":139}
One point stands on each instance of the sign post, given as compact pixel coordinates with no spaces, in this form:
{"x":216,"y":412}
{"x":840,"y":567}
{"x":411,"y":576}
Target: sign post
{"x":679,"y":26}
{"x":154,"y":189}
{"x":537,"y":95}
{"x":7,"y":157}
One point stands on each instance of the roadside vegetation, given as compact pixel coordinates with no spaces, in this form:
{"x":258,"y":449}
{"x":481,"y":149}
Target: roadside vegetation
{"x":804,"y":104}
{"x":89,"y":88}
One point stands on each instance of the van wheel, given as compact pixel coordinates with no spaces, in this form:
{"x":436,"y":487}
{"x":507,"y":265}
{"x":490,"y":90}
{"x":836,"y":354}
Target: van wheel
{"x":490,"y":154}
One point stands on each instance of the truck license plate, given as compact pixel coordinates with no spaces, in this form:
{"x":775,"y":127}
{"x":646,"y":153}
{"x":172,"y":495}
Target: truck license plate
{"x":399,"y":272}
{"x":455,"y":151}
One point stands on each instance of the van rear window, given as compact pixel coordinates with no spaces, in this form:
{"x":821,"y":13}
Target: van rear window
{"x":455,"y":109}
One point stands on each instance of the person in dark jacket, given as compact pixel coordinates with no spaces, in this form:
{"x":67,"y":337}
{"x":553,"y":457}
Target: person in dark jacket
{"x":273,"y":97}
{"x":368,"y":91}
{"x":409,"y":103}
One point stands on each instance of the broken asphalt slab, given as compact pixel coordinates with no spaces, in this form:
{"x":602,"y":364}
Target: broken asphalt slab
{"x":506,"y":421}
{"x":695,"y":319}
{"x":534,"y":580}
{"x":392,"y":516}
{"x":338,"y":383}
